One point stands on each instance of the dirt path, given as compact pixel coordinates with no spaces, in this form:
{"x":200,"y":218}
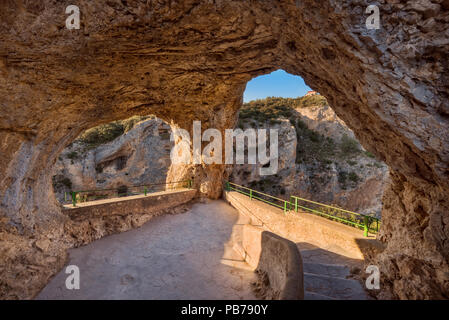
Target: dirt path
{"x":184,"y":256}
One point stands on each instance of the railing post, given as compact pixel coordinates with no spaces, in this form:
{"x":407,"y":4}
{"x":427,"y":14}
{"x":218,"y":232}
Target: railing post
{"x":296,"y":204}
{"x":365,"y":226}
{"x":285,"y":206}
{"x":227,"y":186}
{"x":250,"y":194}
{"x":74,"y":199}
{"x":65,"y":196}
{"x":145,"y":191}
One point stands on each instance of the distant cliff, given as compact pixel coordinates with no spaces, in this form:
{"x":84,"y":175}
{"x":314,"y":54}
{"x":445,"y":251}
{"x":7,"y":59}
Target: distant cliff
{"x":319,"y":157}
{"x":110,"y":156}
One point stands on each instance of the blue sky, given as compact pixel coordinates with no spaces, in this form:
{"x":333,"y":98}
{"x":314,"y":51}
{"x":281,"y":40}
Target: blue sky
{"x":276,"y":84}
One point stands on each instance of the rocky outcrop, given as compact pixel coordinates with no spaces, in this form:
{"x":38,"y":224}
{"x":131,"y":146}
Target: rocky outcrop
{"x":354,"y":180}
{"x":190,"y":60}
{"x":324,"y":120}
{"x":335,"y":169}
{"x":141,"y":156}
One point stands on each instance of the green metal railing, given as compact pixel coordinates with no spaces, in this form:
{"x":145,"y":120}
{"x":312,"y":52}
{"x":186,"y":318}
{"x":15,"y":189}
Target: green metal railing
{"x":358,"y":220}
{"x":354,"y":219}
{"x":123,"y":191}
{"x":254,"y":194}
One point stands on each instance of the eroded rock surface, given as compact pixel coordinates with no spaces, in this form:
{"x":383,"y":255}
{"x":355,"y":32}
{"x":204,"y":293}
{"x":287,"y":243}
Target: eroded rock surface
{"x":139,"y":157}
{"x":318,"y":159}
{"x":190,"y":60}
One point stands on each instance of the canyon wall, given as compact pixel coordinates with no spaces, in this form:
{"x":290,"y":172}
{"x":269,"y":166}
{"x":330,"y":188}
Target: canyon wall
{"x":139,"y":157}
{"x":344,"y":175}
{"x":190,"y":60}
{"x":318,"y":157}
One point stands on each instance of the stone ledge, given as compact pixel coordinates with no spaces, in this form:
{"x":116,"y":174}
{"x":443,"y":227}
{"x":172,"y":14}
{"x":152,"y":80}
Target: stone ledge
{"x":92,"y":222}
{"x":130,"y":205}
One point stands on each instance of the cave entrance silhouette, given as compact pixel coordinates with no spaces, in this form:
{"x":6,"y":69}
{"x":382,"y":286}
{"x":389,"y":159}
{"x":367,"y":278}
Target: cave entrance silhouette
{"x":116,"y":159}
{"x":189,"y":61}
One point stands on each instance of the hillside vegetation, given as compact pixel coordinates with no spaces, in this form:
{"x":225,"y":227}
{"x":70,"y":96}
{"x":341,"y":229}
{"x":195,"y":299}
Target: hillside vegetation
{"x":273,"y":108}
{"x":329,"y":166}
{"x":312,"y":145}
{"x":108,"y":132}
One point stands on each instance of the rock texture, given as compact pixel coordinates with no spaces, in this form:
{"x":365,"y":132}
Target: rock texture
{"x":142,"y":156}
{"x":323,"y":120}
{"x":354,"y":181}
{"x":139,"y":157}
{"x":185,"y":60}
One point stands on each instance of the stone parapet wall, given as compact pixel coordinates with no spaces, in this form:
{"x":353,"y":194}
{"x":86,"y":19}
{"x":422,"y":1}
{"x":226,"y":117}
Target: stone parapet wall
{"x":96,"y":219}
{"x":304,"y":227}
{"x":277,"y":262}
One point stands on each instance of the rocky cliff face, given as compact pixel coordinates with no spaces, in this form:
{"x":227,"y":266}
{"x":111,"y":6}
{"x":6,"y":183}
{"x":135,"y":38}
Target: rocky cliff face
{"x":319,"y":160}
{"x":354,"y":180}
{"x":322,"y":119}
{"x":138,"y":157}
{"x":191,"y":60}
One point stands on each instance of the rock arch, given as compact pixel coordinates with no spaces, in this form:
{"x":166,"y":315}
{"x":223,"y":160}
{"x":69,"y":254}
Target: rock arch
{"x":185,"y":60}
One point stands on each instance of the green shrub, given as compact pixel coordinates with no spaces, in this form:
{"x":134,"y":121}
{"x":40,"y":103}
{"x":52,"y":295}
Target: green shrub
{"x":110,"y":131}
{"x":72,"y":155}
{"x":103,"y":133}
{"x":309,"y":101}
{"x":129,"y":123}
{"x":301,"y":124}
{"x":349,"y":146}
{"x":271,"y":108}
{"x":314,"y":136}
{"x":60,"y":181}
{"x":353,"y":176}
{"x":369,"y":154}
{"x":313,"y":146}
{"x":342,"y":177}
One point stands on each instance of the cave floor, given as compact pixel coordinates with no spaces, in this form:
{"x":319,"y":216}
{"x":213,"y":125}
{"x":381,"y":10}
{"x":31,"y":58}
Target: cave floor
{"x":182,"y":256}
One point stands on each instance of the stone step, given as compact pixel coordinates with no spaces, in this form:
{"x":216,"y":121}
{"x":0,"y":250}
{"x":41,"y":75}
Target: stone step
{"x":324,"y":255}
{"x":331,"y":270}
{"x":337,"y":288}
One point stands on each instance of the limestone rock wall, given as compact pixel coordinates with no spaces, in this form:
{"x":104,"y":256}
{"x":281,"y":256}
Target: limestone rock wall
{"x":140,"y":156}
{"x":323,"y":120}
{"x":355,"y":182}
{"x":189,"y":60}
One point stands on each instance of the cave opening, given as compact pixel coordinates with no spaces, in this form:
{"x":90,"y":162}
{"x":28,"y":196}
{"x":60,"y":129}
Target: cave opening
{"x":117,"y":159}
{"x":320,"y":157}
{"x":188,"y":62}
